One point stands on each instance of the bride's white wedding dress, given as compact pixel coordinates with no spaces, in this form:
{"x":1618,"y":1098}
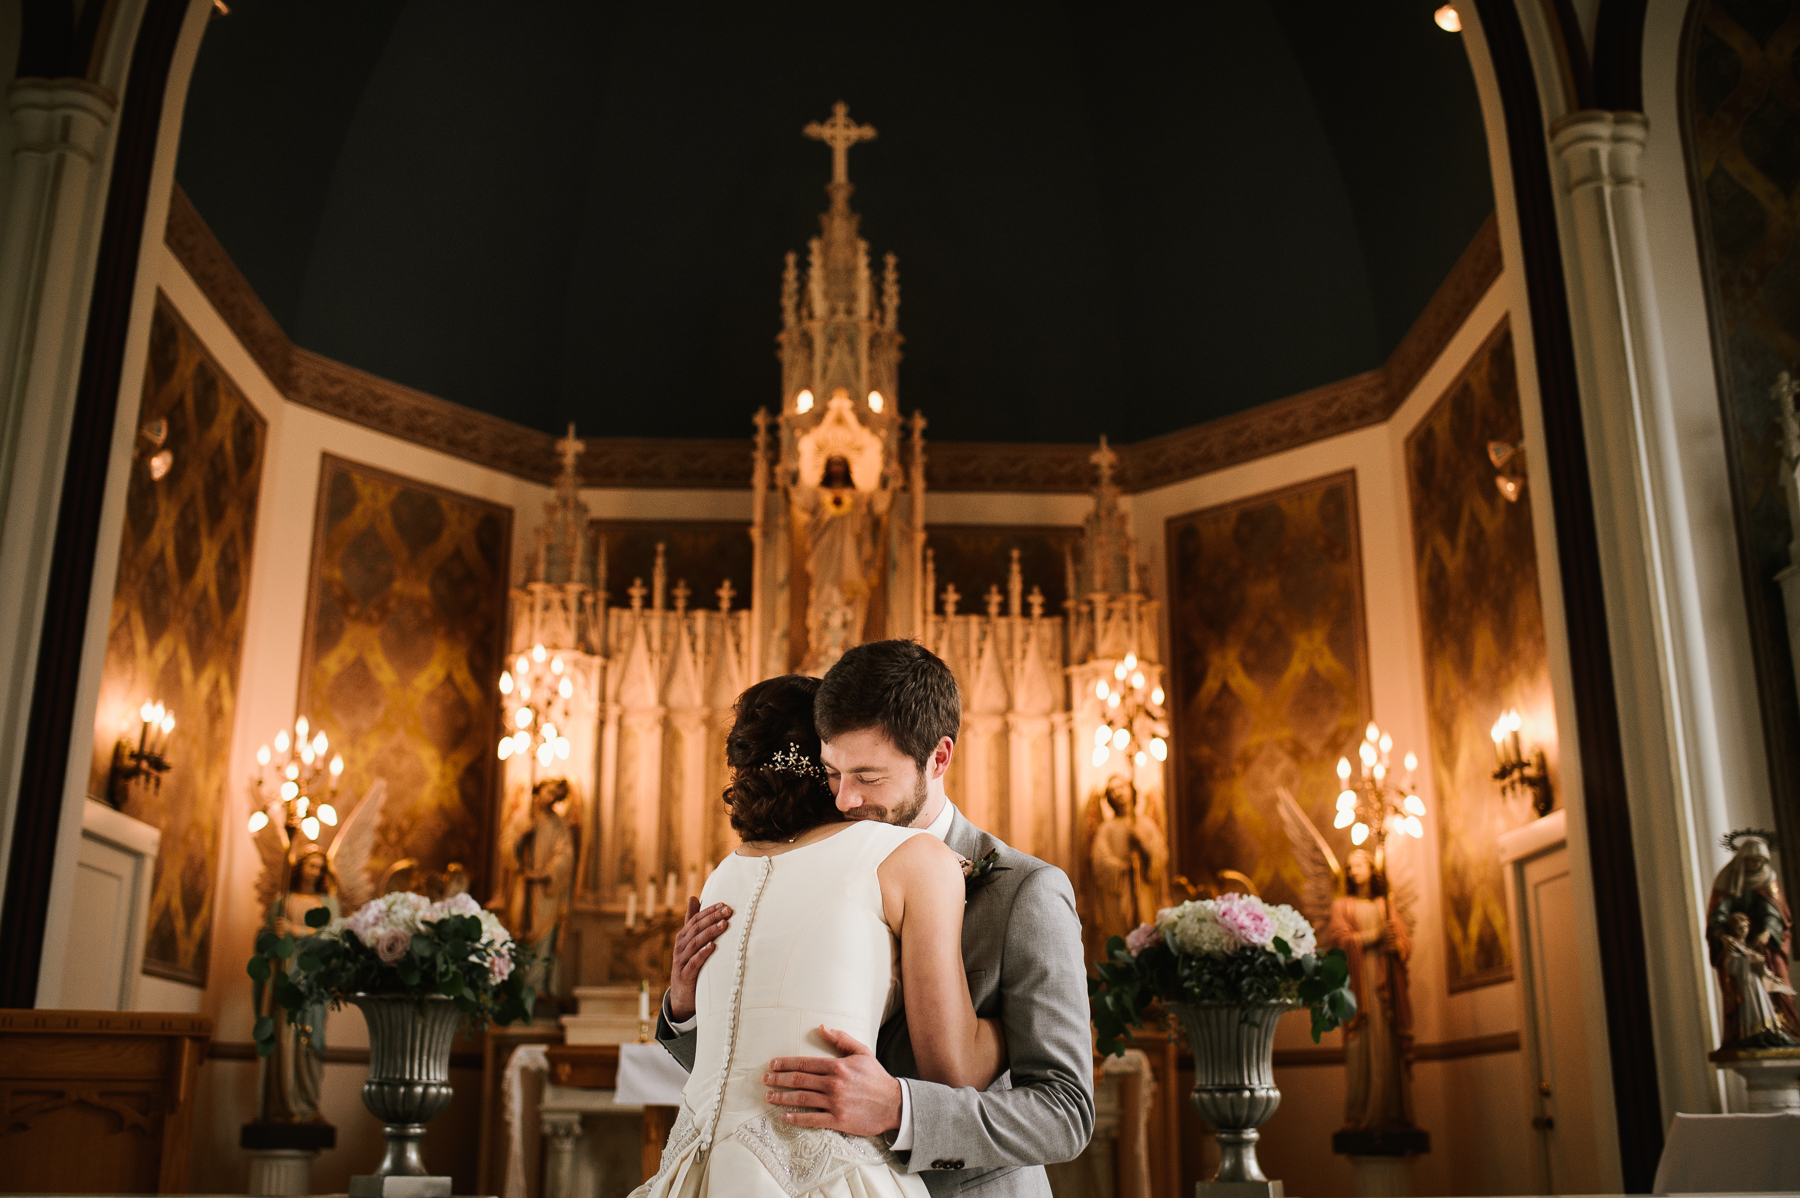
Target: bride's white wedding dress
{"x":808,"y":945}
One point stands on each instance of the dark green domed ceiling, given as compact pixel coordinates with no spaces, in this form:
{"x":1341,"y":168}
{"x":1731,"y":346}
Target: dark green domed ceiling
{"x":1120,"y":219}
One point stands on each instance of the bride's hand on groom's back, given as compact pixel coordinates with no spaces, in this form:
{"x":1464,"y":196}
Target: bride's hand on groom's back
{"x":694,"y":943}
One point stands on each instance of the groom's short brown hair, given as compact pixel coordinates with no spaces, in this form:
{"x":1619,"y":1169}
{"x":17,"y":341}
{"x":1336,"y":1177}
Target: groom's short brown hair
{"x":900,"y":687}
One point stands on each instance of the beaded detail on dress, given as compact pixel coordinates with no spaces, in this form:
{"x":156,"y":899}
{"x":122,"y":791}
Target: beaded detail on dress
{"x":733,"y":1004}
{"x":802,"y":1159}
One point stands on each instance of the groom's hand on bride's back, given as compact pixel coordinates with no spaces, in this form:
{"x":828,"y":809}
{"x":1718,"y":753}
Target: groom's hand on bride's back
{"x":852,"y":1093}
{"x":694,"y":943}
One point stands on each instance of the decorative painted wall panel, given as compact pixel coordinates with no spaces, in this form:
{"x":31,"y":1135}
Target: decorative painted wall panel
{"x":406,"y":617}
{"x":1741,"y":112}
{"x":1269,"y":674}
{"x":1484,"y":653}
{"x":176,"y":632}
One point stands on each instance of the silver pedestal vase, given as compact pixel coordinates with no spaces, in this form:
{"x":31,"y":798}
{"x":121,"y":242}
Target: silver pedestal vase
{"x":408,"y":1086}
{"x":1234,"y":1088}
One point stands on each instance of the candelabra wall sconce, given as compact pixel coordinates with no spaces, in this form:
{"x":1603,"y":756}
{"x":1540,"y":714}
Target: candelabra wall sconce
{"x":1517,"y":770}
{"x":1371,"y":806}
{"x":1136,"y":725}
{"x":148,"y":760}
{"x":1511,"y":482}
{"x":151,"y":447}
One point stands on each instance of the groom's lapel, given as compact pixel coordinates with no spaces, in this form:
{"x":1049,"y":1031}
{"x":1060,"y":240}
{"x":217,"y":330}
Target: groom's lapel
{"x":965,"y":839}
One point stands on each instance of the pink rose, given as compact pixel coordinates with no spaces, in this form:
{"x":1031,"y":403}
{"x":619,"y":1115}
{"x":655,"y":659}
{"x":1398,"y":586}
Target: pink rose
{"x":500,"y":968}
{"x":1246,"y":919}
{"x":392,"y":944}
{"x":1142,"y":937}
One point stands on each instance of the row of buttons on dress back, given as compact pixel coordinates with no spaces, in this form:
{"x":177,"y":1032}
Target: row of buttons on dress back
{"x":731,"y":1010}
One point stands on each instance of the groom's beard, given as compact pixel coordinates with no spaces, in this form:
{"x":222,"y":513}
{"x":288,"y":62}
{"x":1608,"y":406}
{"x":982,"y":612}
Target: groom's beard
{"x":902,"y":814}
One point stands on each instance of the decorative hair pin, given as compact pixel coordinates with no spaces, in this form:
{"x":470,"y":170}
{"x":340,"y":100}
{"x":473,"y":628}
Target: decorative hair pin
{"x":792,"y":761}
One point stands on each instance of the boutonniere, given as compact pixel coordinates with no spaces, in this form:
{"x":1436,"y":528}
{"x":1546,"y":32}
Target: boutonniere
{"x":976,"y":872}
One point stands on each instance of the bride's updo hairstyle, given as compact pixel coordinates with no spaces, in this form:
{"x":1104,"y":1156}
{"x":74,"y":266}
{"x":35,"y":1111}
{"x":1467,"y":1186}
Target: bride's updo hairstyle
{"x":777,"y":788}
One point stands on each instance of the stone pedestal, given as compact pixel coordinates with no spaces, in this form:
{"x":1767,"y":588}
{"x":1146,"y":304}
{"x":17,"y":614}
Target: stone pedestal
{"x":1382,"y":1158}
{"x":282,"y":1154}
{"x":1771,"y":1075}
{"x":1383,"y":1176}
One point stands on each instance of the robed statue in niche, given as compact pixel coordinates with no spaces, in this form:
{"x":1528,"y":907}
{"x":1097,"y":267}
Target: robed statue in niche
{"x":1125,"y":874}
{"x":1749,"y":936}
{"x":1367,"y":911}
{"x":540,"y":852}
{"x":840,"y":498}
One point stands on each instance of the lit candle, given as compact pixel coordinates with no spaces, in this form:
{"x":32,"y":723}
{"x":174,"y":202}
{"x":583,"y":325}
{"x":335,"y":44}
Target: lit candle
{"x":694,"y":880}
{"x":643,"y":1002}
{"x":649,"y":898}
{"x":1498,"y":733}
{"x":669,"y":892}
{"x":631,"y":909}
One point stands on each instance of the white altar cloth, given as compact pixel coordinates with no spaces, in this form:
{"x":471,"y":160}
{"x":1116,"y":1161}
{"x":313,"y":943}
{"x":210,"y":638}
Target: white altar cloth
{"x":648,"y":1076}
{"x":1730,"y":1154}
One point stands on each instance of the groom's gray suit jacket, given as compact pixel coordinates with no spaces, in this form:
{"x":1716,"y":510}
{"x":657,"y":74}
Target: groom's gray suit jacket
{"x":1022,"y":952}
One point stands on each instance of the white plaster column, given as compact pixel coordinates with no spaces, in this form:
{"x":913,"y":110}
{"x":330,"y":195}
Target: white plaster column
{"x":562,"y":1141}
{"x":1654,"y":613}
{"x":49,"y":238}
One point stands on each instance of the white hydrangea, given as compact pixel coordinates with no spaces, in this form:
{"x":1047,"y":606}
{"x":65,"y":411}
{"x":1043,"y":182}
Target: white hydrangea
{"x":1194,"y":928}
{"x":458,"y":904}
{"x":493,"y":931}
{"x":391,"y":912}
{"x":1294,"y":928}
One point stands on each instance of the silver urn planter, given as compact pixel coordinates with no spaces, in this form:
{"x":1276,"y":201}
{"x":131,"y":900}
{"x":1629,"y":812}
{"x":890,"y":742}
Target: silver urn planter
{"x":1234,"y":1086}
{"x":409,"y":1073}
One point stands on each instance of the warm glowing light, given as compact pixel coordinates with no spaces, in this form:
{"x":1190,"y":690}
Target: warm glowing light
{"x":300,"y":728}
{"x":537,"y":655}
{"x":163,"y":459}
{"x":556,"y":666}
{"x":1112,"y":701}
{"x":1415,"y":804}
{"x":1159,"y":748}
{"x":524,"y":666}
{"x":281,"y":741}
{"x":1100,"y":689}
{"x":337,"y":765}
{"x":1120,"y":739}
{"x":566,"y":689}
{"x":506,"y":748}
{"x":562,"y":747}
{"x":1343,"y":767}
{"x":1102,"y":734}
{"x":1359,"y":832}
{"x":1137,"y":681}
{"x":1380,"y":772}
{"x":168,"y":724}
{"x":262,"y":755}
{"x":1101,"y":753}
{"x":1372,"y":733}
{"x":549,"y":731}
{"x":1346,"y":800}
{"x":1387,"y":743}
{"x":258,"y":821}
{"x":292,"y":771}
{"x":290,"y":790}
{"x":147,"y":712}
{"x":320,"y":744}
{"x":546,"y":753}
{"x":1447,"y":20}
{"x":505,"y":682}
{"x":1131,"y":661}
{"x":1119,"y":671}
{"x":525,"y":692}
{"x":1411,"y":763}
{"x":1156,"y":696}
{"x":1140,"y":758}
{"x":1344,"y":819}
{"x":310,"y":826}
{"x":1414,"y":828}
{"x":328,"y":814}
{"x":876,"y":403}
{"x":803,"y":402}
{"x":1367,"y":753}
{"x":307,"y":754}
{"x":522,"y":717}
{"x":521,"y":742}
{"x":301,"y":806}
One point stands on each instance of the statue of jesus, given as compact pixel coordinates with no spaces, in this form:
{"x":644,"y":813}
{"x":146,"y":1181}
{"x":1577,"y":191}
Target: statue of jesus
{"x":840,"y":559}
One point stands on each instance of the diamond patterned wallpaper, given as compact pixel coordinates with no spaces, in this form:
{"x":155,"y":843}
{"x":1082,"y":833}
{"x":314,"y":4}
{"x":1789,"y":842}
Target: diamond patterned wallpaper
{"x":1483,"y":633}
{"x":1270,"y":672}
{"x":176,"y":633}
{"x":406,"y":609}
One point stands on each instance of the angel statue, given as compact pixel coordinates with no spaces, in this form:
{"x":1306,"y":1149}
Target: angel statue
{"x":1749,"y":934}
{"x":1124,"y":876}
{"x":296,"y":879}
{"x":1354,"y":907}
{"x":537,"y":870}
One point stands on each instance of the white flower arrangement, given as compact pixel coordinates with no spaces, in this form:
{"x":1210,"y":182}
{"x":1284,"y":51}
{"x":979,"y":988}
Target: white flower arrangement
{"x":1221,"y":926}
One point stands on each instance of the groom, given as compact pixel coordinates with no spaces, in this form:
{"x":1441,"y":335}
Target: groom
{"x":888,"y":714}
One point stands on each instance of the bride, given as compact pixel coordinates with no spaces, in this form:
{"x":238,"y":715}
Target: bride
{"x":832,"y":921}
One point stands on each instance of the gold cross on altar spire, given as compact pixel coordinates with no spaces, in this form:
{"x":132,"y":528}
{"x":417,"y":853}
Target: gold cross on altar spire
{"x":840,"y":133}
{"x":1106,"y":459}
{"x":568,"y":448}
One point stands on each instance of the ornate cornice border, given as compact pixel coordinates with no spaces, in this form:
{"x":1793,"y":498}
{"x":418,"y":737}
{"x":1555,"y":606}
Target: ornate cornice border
{"x":350,"y":394}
